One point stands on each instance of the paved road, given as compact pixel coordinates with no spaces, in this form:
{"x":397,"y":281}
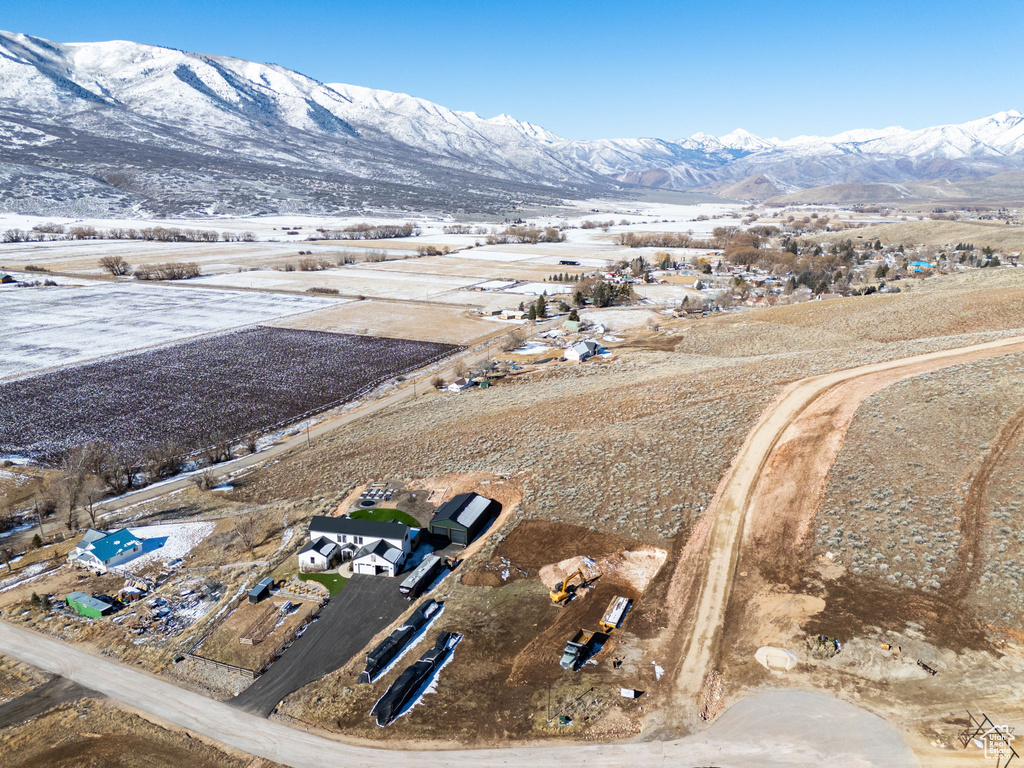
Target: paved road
{"x":784,"y":728}
{"x":732,"y":501}
{"x":367,"y":605}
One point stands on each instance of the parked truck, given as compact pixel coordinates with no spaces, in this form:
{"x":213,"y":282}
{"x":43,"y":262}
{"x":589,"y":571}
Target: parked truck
{"x":579,"y":649}
{"x":616,"y":612}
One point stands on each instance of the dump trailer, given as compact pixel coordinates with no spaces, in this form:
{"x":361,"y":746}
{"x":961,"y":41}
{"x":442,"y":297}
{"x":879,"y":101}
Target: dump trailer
{"x":420,"y":577}
{"x":394,"y":644}
{"x":616,"y":613}
{"x":564,"y":590}
{"x":413,"y":680}
{"x":577,"y":650}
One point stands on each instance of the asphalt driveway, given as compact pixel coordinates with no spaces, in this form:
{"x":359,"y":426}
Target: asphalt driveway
{"x":346,"y":624}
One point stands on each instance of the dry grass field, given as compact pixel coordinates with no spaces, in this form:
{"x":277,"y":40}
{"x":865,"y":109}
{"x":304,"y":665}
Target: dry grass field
{"x":402,"y":320}
{"x":92,"y":732}
{"x":624,"y":454}
{"x":1002,"y":237}
{"x":224,"y":644}
{"x":17,"y":678}
{"x":634,"y":447}
{"x":923,"y":495}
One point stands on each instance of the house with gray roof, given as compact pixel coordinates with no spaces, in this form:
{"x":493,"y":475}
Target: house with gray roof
{"x":582,"y":350}
{"x":378,"y":559}
{"x":374,"y":547}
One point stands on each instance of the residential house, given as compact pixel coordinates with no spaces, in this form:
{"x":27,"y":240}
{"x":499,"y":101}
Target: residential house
{"x":582,"y":350}
{"x":460,"y":384}
{"x":358,"y":540}
{"x":101,"y":550}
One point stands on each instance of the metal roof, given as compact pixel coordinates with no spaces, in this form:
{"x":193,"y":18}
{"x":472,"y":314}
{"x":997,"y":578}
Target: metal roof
{"x":465,"y":509}
{"x":355,"y":527}
{"x":113,"y":544}
{"x":88,"y":601}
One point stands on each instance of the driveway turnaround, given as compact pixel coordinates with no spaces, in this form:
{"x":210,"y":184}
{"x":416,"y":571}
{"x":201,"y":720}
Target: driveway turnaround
{"x":346,"y":625}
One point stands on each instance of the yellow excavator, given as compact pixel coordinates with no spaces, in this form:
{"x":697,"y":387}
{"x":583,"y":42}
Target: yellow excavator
{"x":564,"y":590}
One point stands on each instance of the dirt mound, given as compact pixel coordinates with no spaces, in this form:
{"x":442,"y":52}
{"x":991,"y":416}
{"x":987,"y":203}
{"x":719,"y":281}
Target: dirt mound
{"x":534,"y":543}
{"x":635,"y":568}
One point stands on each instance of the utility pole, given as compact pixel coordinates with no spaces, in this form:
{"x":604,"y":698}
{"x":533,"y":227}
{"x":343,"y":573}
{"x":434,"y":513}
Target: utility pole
{"x":307,"y":435}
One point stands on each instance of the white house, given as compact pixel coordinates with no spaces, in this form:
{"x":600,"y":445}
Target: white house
{"x":100,"y":550}
{"x":460,"y":384}
{"x":582,"y":350}
{"x":374,"y":547}
{"x":318,"y":555}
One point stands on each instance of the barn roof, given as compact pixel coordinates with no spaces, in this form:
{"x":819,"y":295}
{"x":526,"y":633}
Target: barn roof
{"x":354,"y":527}
{"x":463,"y":510}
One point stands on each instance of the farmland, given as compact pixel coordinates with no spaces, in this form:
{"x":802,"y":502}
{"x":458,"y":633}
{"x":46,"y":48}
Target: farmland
{"x":43,"y":328}
{"x":232,"y":384}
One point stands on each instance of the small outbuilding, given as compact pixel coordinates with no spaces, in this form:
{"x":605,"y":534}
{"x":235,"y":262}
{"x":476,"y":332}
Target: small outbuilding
{"x":87,"y":606}
{"x":261,"y":590}
{"x":461,"y":519}
{"x":4,"y":279}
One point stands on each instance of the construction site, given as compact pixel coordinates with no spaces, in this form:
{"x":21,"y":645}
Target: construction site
{"x":689,"y":532}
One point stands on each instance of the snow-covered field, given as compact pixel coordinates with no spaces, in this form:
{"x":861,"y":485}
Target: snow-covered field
{"x":167,"y":542}
{"x":43,"y":328}
{"x":353,"y":281}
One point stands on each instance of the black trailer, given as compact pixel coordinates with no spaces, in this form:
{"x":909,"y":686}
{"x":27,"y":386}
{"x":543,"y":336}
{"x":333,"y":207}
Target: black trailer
{"x":392,"y":646}
{"x":413,"y":680}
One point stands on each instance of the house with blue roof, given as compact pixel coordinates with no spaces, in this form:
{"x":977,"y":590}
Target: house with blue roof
{"x":101,"y":550}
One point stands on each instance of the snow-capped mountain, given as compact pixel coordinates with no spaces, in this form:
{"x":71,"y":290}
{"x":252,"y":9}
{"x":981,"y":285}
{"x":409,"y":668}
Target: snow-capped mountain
{"x":120,"y":127}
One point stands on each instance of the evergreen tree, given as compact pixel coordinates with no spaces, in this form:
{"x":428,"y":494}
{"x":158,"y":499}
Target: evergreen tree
{"x":574,"y":316}
{"x":532,"y":314}
{"x":541,"y":307}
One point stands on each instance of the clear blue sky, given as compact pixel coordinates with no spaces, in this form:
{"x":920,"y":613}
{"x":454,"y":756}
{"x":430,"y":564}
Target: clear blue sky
{"x":609,"y":69}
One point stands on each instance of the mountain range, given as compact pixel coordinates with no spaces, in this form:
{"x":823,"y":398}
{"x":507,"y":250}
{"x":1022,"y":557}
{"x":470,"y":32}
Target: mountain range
{"x":120,"y":128}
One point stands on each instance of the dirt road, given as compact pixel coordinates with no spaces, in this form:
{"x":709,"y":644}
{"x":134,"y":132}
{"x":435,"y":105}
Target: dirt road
{"x":782,"y":728}
{"x":777,"y":478}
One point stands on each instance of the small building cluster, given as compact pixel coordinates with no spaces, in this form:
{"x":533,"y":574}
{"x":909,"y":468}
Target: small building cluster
{"x":377,"y":548}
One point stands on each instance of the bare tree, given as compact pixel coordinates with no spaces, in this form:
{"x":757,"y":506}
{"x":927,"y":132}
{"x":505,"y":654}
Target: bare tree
{"x":515,"y":340}
{"x":71,"y":519}
{"x":115,"y":265}
{"x":7,"y":555}
{"x":247,"y":528}
{"x":93,"y":492}
{"x":461,"y":369}
{"x":163,"y":459}
{"x":205,"y":480}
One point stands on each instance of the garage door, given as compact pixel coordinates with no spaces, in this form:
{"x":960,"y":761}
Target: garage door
{"x":459,"y":537}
